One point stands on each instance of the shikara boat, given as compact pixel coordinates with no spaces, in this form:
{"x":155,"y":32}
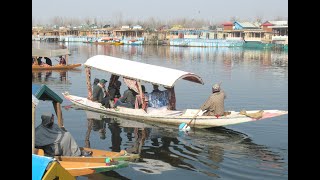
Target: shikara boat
{"x":52,"y":54}
{"x":47,"y":168}
{"x":138,"y":72}
{"x":77,"y":166}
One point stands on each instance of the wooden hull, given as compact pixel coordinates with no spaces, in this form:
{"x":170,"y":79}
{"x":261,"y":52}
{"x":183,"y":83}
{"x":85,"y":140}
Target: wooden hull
{"x":79,"y":166}
{"x":85,"y":168}
{"x":170,"y":117}
{"x":55,"y":67}
{"x":99,"y":156}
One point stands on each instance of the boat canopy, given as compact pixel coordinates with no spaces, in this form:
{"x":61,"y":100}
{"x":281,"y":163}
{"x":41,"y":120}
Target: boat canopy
{"x":141,"y":71}
{"x":49,"y":52}
{"x":43,"y":92}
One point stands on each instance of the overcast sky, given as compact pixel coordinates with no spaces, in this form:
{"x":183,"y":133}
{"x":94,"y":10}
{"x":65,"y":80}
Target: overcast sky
{"x":213,"y":10}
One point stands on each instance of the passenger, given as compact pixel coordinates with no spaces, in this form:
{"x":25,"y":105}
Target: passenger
{"x":48,"y":61}
{"x":95,"y":82}
{"x":62,"y":61}
{"x":39,"y":61}
{"x":158,"y":98}
{"x":100,"y":94}
{"x":155,"y":88}
{"x":54,"y":141}
{"x":214,"y":105}
{"x":128,"y":99}
{"x":114,"y":90}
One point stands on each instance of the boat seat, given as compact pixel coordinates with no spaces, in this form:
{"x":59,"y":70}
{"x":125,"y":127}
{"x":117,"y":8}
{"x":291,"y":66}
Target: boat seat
{"x":162,"y":111}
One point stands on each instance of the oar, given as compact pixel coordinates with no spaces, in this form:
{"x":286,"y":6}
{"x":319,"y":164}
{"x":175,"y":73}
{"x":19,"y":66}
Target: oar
{"x":186,"y":127}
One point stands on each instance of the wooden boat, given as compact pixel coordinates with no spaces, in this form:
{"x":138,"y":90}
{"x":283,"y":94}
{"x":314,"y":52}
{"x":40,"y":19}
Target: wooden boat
{"x":155,"y":74}
{"x":51,"y":54}
{"x":77,"y":166}
{"x":55,"y":67}
{"x":47,"y":168}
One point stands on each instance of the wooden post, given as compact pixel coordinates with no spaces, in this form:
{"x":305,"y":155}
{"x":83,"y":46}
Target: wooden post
{"x":59,"y":114}
{"x":67,"y":59}
{"x":88,"y":78}
{"x":172,"y":99}
{"x":33,"y":128}
{"x":57,"y":109}
{"x":142,"y":96}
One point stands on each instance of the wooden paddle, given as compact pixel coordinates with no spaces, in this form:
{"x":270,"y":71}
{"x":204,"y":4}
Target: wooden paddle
{"x":183,"y":127}
{"x":194,"y":117}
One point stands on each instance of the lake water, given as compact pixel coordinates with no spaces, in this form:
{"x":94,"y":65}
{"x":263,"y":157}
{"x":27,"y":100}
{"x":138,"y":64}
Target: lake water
{"x":252,"y":80}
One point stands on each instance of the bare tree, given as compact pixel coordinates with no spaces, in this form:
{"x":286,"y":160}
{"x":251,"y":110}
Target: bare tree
{"x":234,"y":18}
{"x":259,"y":18}
{"x":118,"y":18}
{"x":279,"y":18}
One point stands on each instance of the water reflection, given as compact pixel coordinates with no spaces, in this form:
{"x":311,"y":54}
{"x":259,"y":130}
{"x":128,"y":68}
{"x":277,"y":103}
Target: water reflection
{"x":253,"y":79}
{"x":203,"y":149}
{"x":51,"y":77}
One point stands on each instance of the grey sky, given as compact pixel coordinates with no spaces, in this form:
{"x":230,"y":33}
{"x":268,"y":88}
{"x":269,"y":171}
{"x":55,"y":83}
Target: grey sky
{"x":213,"y":10}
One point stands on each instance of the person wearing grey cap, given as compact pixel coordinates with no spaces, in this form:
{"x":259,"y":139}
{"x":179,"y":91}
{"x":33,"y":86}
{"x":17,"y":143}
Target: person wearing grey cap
{"x":54,"y":141}
{"x":99,"y":93}
{"x":214,"y":105}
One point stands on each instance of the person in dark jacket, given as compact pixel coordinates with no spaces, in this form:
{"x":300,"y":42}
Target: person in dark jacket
{"x":48,"y":61}
{"x":100,"y":94}
{"x":55,"y":141}
{"x":128,"y":99}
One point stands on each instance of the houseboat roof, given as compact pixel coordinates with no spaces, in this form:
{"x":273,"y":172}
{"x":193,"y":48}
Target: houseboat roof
{"x":227,"y":23}
{"x":247,"y":25}
{"x":141,"y":71}
{"x":43,"y":92}
{"x":49,"y":52}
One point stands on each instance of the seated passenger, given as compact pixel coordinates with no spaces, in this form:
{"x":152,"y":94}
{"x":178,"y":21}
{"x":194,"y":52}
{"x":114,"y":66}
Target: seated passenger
{"x":114,"y":89}
{"x":100,"y":95}
{"x":39,"y":61}
{"x":95,"y":82}
{"x":155,"y":88}
{"x":158,"y":98}
{"x":128,"y":99}
{"x":54,"y":141}
{"x":62,"y":61}
{"x":48,"y":61}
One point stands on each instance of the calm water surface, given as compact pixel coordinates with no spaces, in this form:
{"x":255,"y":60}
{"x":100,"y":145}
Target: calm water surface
{"x":252,"y":79}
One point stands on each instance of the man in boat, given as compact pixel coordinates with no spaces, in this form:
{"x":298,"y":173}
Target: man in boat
{"x":54,"y":141}
{"x":62,"y":61}
{"x":155,"y":88}
{"x":114,"y":90}
{"x":214,"y":105}
{"x":48,"y":61}
{"x":39,"y":61}
{"x":128,"y":99}
{"x":100,"y":94}
{"x":95,"y":82}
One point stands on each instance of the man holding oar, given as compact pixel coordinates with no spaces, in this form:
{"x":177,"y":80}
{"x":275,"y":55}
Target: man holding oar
{"x":214,"y":105}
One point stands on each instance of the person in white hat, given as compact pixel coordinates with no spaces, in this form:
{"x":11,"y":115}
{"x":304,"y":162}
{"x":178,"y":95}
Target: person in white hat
{"x":214,"y":105}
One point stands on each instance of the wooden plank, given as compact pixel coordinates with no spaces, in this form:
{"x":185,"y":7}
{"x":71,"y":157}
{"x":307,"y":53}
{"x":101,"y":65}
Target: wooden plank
{"x":88,"y":80}
{"x":59,"y":114}
{"x":84,"y":168}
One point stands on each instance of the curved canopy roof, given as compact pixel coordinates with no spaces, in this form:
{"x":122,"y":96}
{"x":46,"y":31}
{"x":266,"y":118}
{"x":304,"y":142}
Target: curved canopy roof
{"x":141,"y":71}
